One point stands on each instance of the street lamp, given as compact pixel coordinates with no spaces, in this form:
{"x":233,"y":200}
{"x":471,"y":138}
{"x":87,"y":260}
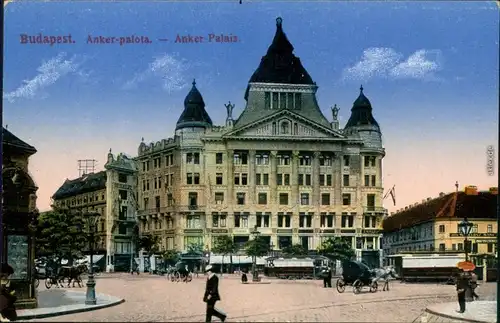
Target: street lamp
{"x":91,"y":221}
{"x":465,"y":227}
{"x":255,"y":274}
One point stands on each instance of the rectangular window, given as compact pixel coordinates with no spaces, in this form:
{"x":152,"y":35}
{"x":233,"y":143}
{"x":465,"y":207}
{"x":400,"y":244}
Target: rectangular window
{"x":373,"y":161}
{"x":196,"y":158}
{"x":441,"y":229}
{"x":283,"y":160}
{"x":279,"y":179}
{"x":275,"y":101}
{"x":287,"y":179}
{"x":308,"y":179}
{"x":298,"y":101}
{"x":218,"y":158}
{"x":189,"y":179}
{"x":305,"y":161}
{"x":325,"y":199}
{"x":193,"y":198}
{"x":219,"y":197}
{"x":267,"y":100}
{"x":347,"y":160}
{"x":290,"y":101}
{"x":367,"y":161}
{"x":367,"y":180}
{"x":258,"y":179}
{"x":244,"y":221}
{"x":282,"y":100}
{"x":215,"y":220}
{"x":122,"y":178}
{"x":374,"y":180}
{"x":346,"y":180}
{"x":236,"y":179}
{"x":159,"y":182}
{"x":196,"y":177}
{"x":328,"y":180}
{"x":244,"y":179}
{"x":489,"y":228}
{"x":304,"y":198}
{"x":490,"y":247}
{"x":321,"y":179}
{"x":442,"y":247}
{"x":301,"y":179}
{"x":189,"y":158}
{"x":325,"y":161}
{"x":262,"y":159}
{"x":218,"y":179}
{"x":346,"y":199}
{"x":262,"y":198}
{"x":283,"y":198}
{"x":265,"y":179}
{"x":240,"y":198}
{"x":223,"y":221}
{"x":237,"y":219}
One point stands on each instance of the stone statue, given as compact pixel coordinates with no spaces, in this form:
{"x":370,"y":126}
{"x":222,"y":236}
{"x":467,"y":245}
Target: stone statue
{"x":229,"y":109}
{"x":335,"y":112}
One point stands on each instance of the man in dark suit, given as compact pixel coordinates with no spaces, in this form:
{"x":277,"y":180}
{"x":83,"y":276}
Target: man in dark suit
{"x":212,"y":296}
{"x":462,"y":285}
{"x":7,"y":295}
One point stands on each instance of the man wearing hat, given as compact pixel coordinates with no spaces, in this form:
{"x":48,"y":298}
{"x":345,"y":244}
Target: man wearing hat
{"x":7,"y":296}
{"x":212,"y":296}
{"x":462,"y":285}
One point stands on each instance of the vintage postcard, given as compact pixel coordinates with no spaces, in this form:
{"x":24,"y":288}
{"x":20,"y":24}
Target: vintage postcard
{"x":291,"y":161}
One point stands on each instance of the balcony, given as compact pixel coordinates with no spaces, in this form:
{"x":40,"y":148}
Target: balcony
{"x":126,"y":220}
{"x":191,"y":208}
{"x":374,"y":209}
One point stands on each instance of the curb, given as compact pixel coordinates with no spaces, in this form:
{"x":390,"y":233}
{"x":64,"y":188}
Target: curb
{"x":463,"y":319}
{"x":63,"y":311}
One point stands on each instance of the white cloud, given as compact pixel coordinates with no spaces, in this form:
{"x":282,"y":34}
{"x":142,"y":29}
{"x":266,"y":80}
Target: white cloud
{"x":386,"y":62}
{"x":169,"y":68}
{"x":48,"y":73}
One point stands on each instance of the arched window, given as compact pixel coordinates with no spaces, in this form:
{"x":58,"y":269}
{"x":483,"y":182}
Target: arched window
{"x":284,"y":127}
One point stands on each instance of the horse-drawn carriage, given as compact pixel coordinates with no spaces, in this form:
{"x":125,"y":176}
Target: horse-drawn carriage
{"x":357,"y":275}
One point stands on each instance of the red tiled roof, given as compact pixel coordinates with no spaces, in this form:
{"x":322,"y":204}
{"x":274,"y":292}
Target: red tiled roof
{"x":483,"y":205}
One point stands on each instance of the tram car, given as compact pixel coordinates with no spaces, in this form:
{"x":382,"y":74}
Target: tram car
{"x":295,"y":267}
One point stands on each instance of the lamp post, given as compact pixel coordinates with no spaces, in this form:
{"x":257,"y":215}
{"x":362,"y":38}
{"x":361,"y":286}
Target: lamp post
{"x":255,"y":274}
{"x":465,"y":227}
{"x":91,"y":221}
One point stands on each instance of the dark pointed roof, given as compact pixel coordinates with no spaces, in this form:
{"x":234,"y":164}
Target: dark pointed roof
{"x":194,"y":114}
{"x":10,"y":141}
{"x":280,"y":65}
{"x":361,"y":112}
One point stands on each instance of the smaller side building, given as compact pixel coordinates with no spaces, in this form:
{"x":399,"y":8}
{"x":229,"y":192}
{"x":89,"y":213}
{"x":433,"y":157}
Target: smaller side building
{"x":433,"y":225}
{"x":112,"y":194}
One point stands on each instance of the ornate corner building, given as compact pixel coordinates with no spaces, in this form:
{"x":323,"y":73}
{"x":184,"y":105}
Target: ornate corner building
{"x":432,"y":226}
{"x":280,"y":166}
{"x":113,"y":194}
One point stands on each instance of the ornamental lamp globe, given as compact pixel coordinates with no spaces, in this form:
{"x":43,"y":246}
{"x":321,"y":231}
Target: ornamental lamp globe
{"x":465,"y":227}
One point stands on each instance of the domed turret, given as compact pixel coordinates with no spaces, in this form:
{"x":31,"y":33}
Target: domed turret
{"x":194,"y":114}
{"x":361,"y":112}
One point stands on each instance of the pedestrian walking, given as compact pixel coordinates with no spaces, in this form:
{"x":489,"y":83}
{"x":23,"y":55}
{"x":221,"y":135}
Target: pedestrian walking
{"x":462,"y":285}
{"x":327,"y":277}
{"x":7,"y":295}
{"x":473,"y":285}
{"x":212,"y":296}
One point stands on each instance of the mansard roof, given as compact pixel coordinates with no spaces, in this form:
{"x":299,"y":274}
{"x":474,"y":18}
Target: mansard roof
{"x":87,"y":183}
{"x":482,"y":206}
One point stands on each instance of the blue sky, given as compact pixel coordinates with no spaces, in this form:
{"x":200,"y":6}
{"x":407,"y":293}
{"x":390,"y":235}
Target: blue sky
{"x":430,"y":70}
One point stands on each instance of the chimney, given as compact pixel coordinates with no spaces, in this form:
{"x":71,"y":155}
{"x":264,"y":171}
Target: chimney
{"x":406,"y":208}
{"x":441,"y":194}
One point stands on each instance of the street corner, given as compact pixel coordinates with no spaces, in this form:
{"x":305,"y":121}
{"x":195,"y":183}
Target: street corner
{"x":477,"y":311}
{"x":62,"y":302}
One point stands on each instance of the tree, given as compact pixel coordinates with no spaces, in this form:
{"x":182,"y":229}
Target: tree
{"x":225,"y":245}
{"x":336,"y":249}
{"x":196,"y":248}
{"x":149,"y":243}
{"x":257,"y":247}
{"x":61,"y":233}
{"x":170,"y":257}
{"x":295,"y":250}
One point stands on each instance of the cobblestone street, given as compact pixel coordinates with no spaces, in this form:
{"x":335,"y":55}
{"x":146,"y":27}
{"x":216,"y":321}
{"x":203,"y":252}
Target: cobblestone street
{"x":154,"y":298}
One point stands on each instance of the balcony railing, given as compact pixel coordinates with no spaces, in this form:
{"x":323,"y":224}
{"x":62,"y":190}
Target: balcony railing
{"x":374,"y":209}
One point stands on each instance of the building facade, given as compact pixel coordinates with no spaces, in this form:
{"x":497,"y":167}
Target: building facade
{"x":280,"y":166}
{"x":432,"y":226}
{"x":112,"y":193}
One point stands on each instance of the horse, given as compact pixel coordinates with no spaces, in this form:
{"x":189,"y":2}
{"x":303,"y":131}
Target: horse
{"x":72,"y":273}
{"x":384,"y":274}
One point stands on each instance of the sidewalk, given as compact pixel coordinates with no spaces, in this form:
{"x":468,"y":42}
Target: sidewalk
{"x":60,"y":302}
{"x":477,"y":312}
